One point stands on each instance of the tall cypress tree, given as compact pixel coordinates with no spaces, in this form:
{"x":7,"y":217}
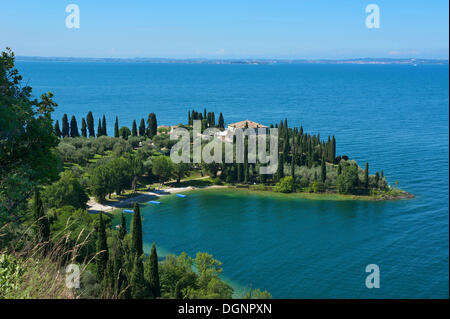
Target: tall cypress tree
{"x":102,"y":249}
{"x":142,"y":128}
{"x":366,"y":177}
{"x":99,"y":128}
{"x":90,"y":124}
{"x":152,"y":125}
{"x":65,"y":126}
{"x":57,"y":130}
{"x":123,"y":227}
{"x":83,"y":128}
{"x":137,"y":280}
{"x":42,"y":224}
{"x":134,"y":129}
{"x":104,"y":132}
{"x":74,"y":127}
{"x":221,"y":123}
{"x":116,"y":128}
{"x":323,"y":171}
{"x":136,"y":232}
{"x":151,"y":273}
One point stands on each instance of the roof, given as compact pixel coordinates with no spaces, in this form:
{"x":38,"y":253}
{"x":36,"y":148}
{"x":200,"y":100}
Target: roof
{"x":246,"y":123}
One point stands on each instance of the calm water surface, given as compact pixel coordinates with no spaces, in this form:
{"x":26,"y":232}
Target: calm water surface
{"x":395,"y":117}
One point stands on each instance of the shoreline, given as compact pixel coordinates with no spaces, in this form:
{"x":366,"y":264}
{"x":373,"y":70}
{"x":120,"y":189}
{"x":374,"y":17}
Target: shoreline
{"x":95,"y":207}
{"x":139,"y":197}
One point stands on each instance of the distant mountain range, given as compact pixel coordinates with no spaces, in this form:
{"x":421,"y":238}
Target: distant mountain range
{"x":409,"y":61}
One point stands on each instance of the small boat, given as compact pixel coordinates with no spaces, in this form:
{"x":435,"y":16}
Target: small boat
{"x":182,"y":195}
{"x":154,"y":202}
{"x":128,"y":211}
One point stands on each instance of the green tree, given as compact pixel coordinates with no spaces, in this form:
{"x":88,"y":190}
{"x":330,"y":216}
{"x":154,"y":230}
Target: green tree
{"x":57,"y":129}
{"x":27,"y":140}
{"x":104,"y":131}
{"x":66,"y":191}
{"x":90,"y":124}
{"x":124,"y":132}
{"x":116,"y":128}
{"x":42,"y":224}
{"x":134,"y":129}
{"x":366,"y":177}
{"x":151,"y":273}
{"x":142,"y":128}
{"x":65,"y":126}
{"x":221,"y":123}
{"x":152,"y":125}
{"x":137,"y":280}
{"x":347,"y":181}
{"x":136,"y":232}
{"x":323,"y":171}
{"x":100,"y":182}
{"x":83,"y":128}
{"x":123,"y":227}
{"x":180,"y":170}
{"x":74,"y":127}
{"x":99,"y":128}
{"x":162,"y":168}
{"x":285,"y":185}
{"x":102,"y":249}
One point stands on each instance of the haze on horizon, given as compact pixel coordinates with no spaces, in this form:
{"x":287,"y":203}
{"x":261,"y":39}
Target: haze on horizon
{"x":267,"y":29}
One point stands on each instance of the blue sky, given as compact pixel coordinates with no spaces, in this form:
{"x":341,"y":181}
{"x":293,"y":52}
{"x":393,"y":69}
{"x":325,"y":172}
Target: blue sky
{"x":226,"y":29}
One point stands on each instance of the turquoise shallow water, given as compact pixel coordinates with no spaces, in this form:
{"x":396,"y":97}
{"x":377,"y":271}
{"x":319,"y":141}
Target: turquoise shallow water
{"x":395,"y":117}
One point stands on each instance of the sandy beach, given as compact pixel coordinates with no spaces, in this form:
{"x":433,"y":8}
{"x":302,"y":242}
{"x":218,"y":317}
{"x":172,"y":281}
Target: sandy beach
{"x":139,"y":197}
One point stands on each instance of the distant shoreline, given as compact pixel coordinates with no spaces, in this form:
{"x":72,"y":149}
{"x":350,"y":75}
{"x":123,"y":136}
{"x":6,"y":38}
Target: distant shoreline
{"x":358,"y":61}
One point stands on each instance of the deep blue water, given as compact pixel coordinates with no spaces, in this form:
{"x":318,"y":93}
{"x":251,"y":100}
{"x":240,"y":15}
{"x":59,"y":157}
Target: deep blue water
{"x":393,"y":116}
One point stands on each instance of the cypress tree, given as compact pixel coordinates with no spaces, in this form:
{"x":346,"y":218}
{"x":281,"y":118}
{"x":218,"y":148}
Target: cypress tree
{"x":333,"y":148}
{"x":339,"y":171}
{"x":120,"y":278}
{"x":104,"y":126}
{"x":74,"y":127}
{"x":65,"y":126}
{"x":178,"y":294}
{"x":152,"y":125}
{"x":151,"y":273}
{"x":134,"y":129}
{"x":189,"y":118}
{"x":136,"y":232}
{"x":377,"y":178}
{"x":293,"y":161}
{"x":42,"y":223}
{"x":116,"y":128}
{"x":280,"y":169}
{"x":90,"y":124}
{"x":221,"y":123}
{"x":366,"y":177}
{"x":323,"y":171}
{"x":83,"y":128}
{"x":137,"y":280}
{"x":123,"y":227}
{"x":57,"y":130}
{"x":142,"y":128}
{"x":99,"y":128}
{"x":102,"y":249}
{"x":382,"y":174}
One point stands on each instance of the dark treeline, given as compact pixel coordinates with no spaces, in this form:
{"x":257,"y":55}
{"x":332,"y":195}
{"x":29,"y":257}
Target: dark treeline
{"x":87,"y":127}
{"x":208,"y":119}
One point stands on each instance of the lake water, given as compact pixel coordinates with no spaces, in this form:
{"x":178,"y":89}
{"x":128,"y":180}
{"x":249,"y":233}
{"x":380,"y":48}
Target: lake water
{"x":393,"y":116}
